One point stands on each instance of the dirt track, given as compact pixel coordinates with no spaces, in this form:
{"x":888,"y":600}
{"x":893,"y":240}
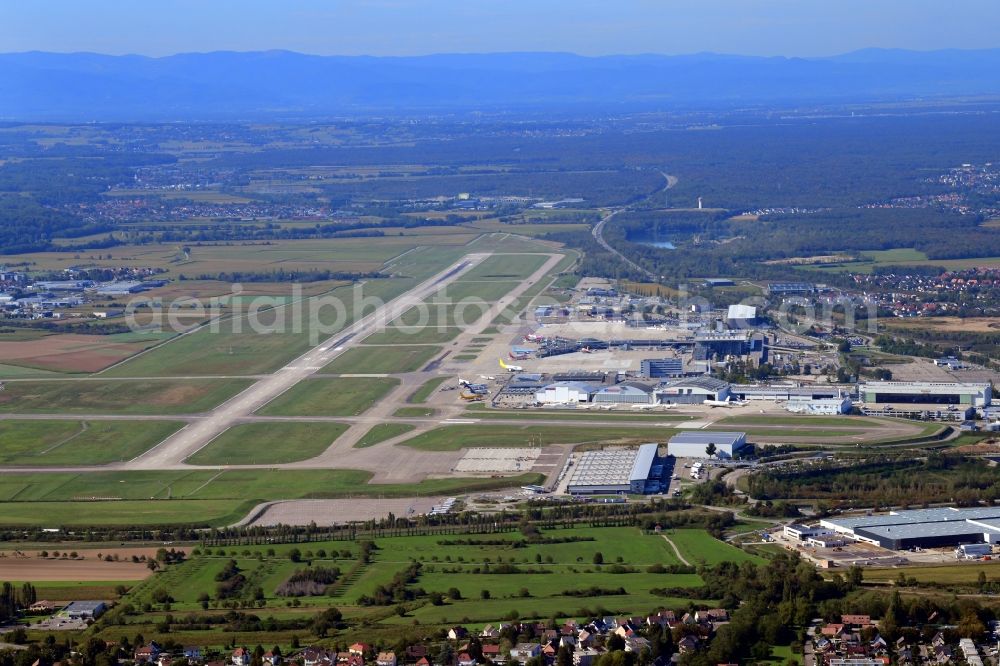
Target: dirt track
{"x":333,"y":512}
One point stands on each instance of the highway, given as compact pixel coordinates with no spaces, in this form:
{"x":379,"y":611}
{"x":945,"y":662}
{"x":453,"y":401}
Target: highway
{"x":598,"y":232}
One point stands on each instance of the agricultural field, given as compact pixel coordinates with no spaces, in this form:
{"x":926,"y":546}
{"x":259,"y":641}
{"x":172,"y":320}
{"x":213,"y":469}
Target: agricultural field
{"x":954,"y":574}
{"x":268,"y":443}
{"x":699,"y":547}
{"x":382,"y":360}
{"x":331,"y":397}
{"x":140,"y":396}
{"x":40,"y":442}
{"x":551,"y":576}
{"x":72,"y":352}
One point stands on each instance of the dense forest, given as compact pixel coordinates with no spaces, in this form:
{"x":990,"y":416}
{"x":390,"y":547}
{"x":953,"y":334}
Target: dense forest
{"x":883,"y":481}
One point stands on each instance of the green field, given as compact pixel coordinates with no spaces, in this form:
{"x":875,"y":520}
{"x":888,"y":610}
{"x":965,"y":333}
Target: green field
{"x":571,"y":566}
{"x":507,"y":267}
{"x":959,"y":573}
{"x":699,"y":547}
{"x":330,"y":397}
{"x":79,"y":442}
{"x":268,"y":443}
{"x":437,"y":316}
{"x":469,"y":291}
{"x":452,"y":438}
{"x":426,"y":390}
{"x":381,"y":432}
{"x":236,"y":348}
{"x":382,"y":360}
{"x":403,"y":335}
{"x":414,"y":412}
{"x":198,"y":496}
{"x":156,"y":396}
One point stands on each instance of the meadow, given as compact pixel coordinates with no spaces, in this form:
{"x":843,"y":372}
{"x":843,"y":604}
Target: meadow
{"x":70,"y":442}
{"x":552,"y":577}
{"x":381,"y":432}
{"x":140,"y":396}
{"x":382,"y":360}
{"x":268,"y":443}
{"x":452,"y":438}
{"x":346,"y":396}
{"x":198,"y":496}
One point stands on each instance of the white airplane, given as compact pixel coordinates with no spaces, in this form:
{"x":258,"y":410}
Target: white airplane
{"x":488,"y":378}
{"x":510,"y":368}
{"x":718,"y":403}
{"x":669,"y":405}
{"x":463,"y":382}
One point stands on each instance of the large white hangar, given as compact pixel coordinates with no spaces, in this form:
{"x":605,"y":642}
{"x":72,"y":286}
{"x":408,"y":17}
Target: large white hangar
{"x":695,"y":443}
{"x":926,"y":393}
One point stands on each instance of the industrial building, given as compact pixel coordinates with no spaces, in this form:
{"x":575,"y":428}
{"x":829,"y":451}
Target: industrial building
{"x":741,"y":315}
{"x":940,"y":401}
{"x":85,"y":610}
{"x":820,"y":406}
{"x":691,"y":391}
{"x":628,"y":393}
{"x":565,"y":392}
{"x":694,"y":443}
{"x":789,"y":288}
{"x":926,"y":393}
{"x":617,"y":470}
{"x":782,"y":392}
{"x":659,"y":368}
{"x":922,"y":528}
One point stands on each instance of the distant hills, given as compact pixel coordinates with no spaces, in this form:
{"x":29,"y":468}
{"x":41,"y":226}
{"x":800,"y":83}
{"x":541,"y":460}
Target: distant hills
{"x":276,"y":84}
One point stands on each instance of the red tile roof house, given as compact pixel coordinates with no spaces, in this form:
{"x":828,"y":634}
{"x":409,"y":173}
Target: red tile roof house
{"x":424,"y":661}
{"x":386,"y":659}
{"x":147,"y":653}
{"x":360,"y":649}
{"x":240,"y":657}
{"x":856,"y":620}
{"x":466,"y":659}
{"x":491,"y":652}
{"x":415,"y":652}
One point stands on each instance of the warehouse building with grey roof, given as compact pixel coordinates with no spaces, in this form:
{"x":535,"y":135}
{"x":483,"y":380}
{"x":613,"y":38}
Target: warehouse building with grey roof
{"x":922,"y":528}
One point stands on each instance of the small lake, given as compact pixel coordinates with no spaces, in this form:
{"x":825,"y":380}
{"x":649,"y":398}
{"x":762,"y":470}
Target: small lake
{"x":663,"y":245}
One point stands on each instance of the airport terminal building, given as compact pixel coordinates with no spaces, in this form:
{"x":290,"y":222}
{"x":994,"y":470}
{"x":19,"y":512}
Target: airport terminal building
{"x":922,"y":528}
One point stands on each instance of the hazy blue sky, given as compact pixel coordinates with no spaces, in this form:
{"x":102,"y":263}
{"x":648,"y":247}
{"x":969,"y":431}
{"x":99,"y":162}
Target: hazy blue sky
{"x":406,"y":27}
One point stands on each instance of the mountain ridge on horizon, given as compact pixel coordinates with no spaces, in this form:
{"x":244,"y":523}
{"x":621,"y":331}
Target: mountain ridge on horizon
{"x":42,"y":85}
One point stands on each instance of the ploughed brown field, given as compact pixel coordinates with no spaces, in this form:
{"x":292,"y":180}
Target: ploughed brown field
{"x":69,"y":352}
{"x":28,"y":566}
